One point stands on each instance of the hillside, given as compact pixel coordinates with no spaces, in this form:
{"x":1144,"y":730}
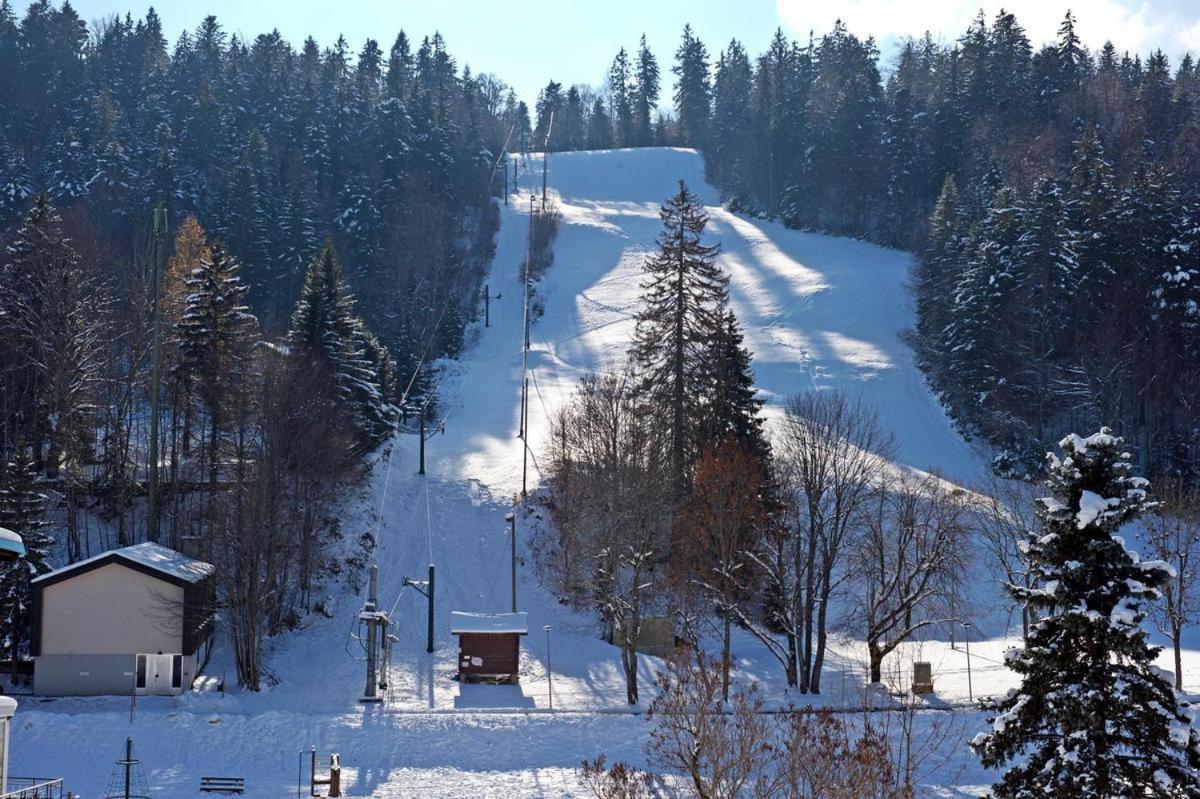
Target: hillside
{"x":818,"y":312}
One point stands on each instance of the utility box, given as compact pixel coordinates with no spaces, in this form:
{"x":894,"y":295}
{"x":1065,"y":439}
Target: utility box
{"x":922,"y":678}
{"x":489,"y":645}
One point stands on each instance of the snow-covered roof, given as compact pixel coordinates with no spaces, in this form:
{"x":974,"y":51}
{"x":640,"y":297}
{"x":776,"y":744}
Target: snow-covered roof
{"x":11,"y":543}
{"x":149,"y":555}
{"x":462,"y":622}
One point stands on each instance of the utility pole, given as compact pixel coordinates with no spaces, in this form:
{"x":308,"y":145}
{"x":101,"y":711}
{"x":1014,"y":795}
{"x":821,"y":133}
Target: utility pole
{"x":525,"y":320}
{"x":511,"y":518}
{"x":487,"y":303}
{"x":546,"y":158}
{"x":159,"y":249}
{"x":422,"y":445}
{"x":525,"y":440}
{"x":425,"y":589}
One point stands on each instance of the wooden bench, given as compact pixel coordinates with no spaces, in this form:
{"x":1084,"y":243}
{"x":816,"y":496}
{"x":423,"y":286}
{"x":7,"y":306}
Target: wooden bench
{"x":222,"y":784}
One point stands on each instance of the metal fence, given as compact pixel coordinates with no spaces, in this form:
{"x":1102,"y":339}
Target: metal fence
{"x":33,"y":788}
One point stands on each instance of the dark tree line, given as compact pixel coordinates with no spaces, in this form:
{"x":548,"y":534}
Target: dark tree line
{"x":386,"y":152}
{"x":328,"y":221}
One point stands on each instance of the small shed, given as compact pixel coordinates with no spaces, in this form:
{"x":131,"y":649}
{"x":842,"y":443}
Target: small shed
{"x":133,"y":619}
{"x":489,"y":645}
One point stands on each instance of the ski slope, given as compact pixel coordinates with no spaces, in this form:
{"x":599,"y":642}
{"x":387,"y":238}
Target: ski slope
{"x":819,"y":312}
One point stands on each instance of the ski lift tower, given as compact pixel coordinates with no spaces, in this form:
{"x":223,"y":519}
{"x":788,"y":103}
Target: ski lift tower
{"x":379,"y":641}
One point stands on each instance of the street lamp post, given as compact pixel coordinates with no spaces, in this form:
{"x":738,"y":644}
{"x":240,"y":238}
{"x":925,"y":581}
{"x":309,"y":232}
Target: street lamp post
{"x":549,"y":672}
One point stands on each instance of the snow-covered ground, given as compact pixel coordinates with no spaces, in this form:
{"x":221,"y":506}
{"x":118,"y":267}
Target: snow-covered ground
{"x":818,"y":311}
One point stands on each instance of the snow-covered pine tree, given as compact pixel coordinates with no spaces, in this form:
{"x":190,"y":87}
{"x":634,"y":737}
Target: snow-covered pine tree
{"x":23,"y":511}
{"x":683,"y":296}
{"x":1093,"y":717}
{"x":935,"y":272}
{"x":15,"y":183}
{"x":1044,"y":265}
{"x":68,"y":169}
{"x":214,"y":337}
{"x":327,"y":333}
{"x":973,"y":341}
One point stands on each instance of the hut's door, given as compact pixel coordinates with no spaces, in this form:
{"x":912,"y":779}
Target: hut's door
{"x":156,"y":674}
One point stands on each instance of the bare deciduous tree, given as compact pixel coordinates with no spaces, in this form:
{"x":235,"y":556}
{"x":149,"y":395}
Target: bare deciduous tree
{"x":906,"y":560}
{"x":723,"y":518}
{"x":1003,"y":520}
{"x":1173,"y":535}
{"x":830,"y":451}
{"x":610,"y":504}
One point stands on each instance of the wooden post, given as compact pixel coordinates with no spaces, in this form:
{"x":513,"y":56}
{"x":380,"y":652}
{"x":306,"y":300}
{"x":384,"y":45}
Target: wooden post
{"x":487,"y":292}
{"x":335,"y":776}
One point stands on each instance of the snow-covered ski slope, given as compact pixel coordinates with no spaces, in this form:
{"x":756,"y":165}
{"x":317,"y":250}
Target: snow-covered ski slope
{"x":818,"y":312}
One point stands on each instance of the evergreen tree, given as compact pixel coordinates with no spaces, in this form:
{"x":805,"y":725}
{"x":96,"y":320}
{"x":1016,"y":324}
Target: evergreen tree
{"x":732,"y":410}
{"x":23,"y":511}
{"x":214,"y":340}
{"x":975,"y":346}
{"x":15,"y":183}
{"x":728,"y":151}
{"x":574,"y":129}
{"x":599,"y":127}
{"x":644,"y":94}
{"x":693,"y":92}
{"x":329,"y":336}
{"x":620,"y":101}
{"x":549,"y":103}
{"x":936,"y":273}
{"x":1093,"y":717}
{"x":1045,"y":265}
{"x":684,"y":299}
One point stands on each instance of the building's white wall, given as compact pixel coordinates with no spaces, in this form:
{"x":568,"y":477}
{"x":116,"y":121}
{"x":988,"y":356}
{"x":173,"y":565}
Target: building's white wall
{"x":112,"y":610}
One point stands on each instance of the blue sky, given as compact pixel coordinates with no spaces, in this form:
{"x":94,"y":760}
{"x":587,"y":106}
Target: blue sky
{"x":527,"y":42}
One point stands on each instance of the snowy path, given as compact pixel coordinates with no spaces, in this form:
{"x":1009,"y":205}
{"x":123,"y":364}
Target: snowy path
{"x":818,"y":311}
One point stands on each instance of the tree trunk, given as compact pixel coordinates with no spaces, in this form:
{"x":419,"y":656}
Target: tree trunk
{"x":725,"y":659}
{"x":1177,"y":644}
{"x":629,"y":662}
{"x":790,"y":668}
{"x":876,"y":659}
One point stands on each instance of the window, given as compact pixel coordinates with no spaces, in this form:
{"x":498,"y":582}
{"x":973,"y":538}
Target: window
{"x":176,"y":671}
{"x":141,"y":671}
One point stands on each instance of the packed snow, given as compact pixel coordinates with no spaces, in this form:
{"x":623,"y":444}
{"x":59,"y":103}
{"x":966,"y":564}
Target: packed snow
{"x":818,"y":311}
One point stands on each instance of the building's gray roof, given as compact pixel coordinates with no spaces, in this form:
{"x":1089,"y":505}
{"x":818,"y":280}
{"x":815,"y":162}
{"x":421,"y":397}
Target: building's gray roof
{"x":149,"y":556}
{"x":495,"y":623}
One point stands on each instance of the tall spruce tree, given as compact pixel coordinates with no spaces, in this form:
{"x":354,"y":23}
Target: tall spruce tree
{"x":644,"y":96}
{"x":214,"y":340}
{"x":693,"y":90}
{"x":731,"y":410}
{"x":684,"y":299}
{"x":1093,"y":717}
{"x":328,"y":334}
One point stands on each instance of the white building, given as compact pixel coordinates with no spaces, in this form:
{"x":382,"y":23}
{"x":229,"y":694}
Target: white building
{"x":132,"y":619}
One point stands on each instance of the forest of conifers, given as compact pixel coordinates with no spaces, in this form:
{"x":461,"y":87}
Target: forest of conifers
{"x":1058,"y":285}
